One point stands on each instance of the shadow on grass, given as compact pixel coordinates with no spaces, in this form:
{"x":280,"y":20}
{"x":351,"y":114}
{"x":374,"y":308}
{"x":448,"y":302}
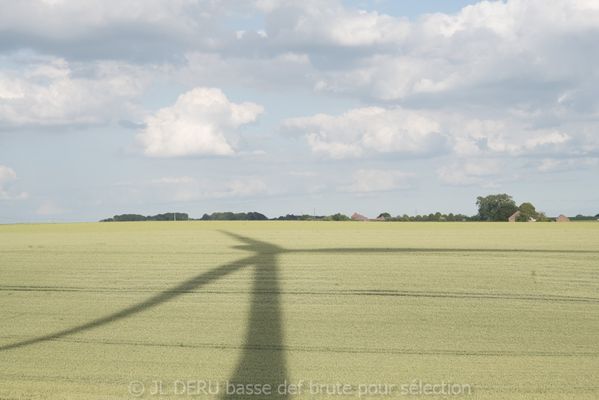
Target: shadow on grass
{"x":163,"y":297}
{"x":263,"y":358}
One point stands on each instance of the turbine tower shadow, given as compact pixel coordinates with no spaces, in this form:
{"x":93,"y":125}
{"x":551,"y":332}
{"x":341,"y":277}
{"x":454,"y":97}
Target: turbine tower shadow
{"x":263,"y":360}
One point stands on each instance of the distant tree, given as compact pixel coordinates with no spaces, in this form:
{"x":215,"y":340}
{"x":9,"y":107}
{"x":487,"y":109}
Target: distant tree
{"x":384,"y":215}
{"x":157,"y":217}
{"x":289,"y":217}
{"x":527,"y":211}
{"x":496,"y":207}
{"x":581,"y":217}
{"x":169,"y":217}
{"x":129,"y":217}
{"x":541,"y":217}
{"x":303,"y":217}
{"x":231,"y":216}
{"x":256,"y":216}
{"x":339,"y":217}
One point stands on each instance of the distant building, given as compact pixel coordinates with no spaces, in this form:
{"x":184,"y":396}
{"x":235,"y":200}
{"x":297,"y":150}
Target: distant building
{"x":562,"y":218}
{"x":514,"y":217}
{"x":358,"y":217}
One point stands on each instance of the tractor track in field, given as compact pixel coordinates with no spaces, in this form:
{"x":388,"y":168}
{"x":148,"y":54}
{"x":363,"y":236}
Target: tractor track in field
{"x":323,"y":349}
{"x":382,"y":250}
{"x":339,"y":292}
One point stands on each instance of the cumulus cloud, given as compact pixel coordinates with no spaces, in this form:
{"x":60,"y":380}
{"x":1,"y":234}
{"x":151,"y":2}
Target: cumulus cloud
{"x":508,"y":137}
{"x":49,"y":91}
{"x":7,"y":177}
{"x":329,"y":23}
{"x":370,"y":129}
{"x":199,"y":123}
{"x":375,"y":130}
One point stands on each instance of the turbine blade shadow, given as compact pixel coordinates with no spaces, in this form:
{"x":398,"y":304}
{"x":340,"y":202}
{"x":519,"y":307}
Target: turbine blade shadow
{"x":384,"y":250}
{"x":253,"y":245}
{"x":167,"y":295}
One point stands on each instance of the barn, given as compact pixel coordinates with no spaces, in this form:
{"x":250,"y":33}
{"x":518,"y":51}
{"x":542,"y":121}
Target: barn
{"x":358,"y":217}
{"x":514,"y":217}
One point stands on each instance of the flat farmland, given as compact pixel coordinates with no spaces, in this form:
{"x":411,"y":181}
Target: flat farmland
{"x":313,"y":309}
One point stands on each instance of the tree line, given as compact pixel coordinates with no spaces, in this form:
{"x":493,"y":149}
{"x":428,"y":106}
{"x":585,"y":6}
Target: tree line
{"x":158,"y":217}
{"x":495,"y":207}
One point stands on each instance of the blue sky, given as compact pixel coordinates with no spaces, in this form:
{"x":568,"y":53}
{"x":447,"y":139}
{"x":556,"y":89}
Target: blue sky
{"x":277,"y":106}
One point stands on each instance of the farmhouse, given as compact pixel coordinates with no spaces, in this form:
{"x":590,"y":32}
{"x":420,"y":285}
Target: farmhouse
{"x":514,"y":216}
{"x":358,"y":217}
{"x":562,"y":218}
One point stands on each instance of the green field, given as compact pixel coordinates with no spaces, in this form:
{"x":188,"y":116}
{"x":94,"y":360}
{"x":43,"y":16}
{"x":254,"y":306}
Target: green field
{"x":510,"y":309}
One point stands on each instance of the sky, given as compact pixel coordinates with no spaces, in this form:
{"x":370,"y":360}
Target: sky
{"x":281,"y":106}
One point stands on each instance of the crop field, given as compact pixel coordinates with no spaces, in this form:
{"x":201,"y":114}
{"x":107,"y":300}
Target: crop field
{"x":161,"y":310}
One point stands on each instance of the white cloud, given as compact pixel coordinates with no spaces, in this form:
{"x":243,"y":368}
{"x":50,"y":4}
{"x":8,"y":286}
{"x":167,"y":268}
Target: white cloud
{"x":375,"y":130}
{"x":508,"y":137}
{"x":70,"y":21}
{"x":7,"y":177}
{"x":50,"y":92}
{"x":378,"y":180}
{"x":199,"y":123}
{"x":330,"y":23}
{"x":388,"y":77}
{"x":371,"y":129}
